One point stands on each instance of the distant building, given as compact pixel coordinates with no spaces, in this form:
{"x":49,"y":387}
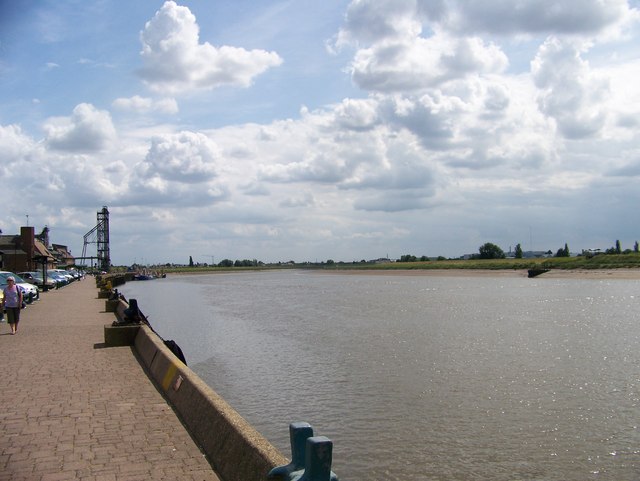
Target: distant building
{"x":381,"y":260}
{"x":63,"y":256}
{"x":536,"y":254}
{"x":24,"y":252}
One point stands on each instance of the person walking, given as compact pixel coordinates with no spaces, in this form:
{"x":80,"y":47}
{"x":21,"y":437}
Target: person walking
{"x":12,"y":303}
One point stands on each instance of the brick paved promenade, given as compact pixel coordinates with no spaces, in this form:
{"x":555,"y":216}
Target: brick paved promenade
{"x":72,"y":409}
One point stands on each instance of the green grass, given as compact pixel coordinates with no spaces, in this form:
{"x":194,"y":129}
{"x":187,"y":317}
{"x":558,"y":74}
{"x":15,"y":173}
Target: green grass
{"x":601,"y":261}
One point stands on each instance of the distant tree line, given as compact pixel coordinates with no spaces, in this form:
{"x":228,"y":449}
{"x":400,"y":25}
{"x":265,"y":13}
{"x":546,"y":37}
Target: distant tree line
{"x":617,"y":249}
{"x":240,"y":263}
{"x":490,"y":250}
{"x":230,"y":263}
{"x":410,"y":258}
{"x":487,"y":250}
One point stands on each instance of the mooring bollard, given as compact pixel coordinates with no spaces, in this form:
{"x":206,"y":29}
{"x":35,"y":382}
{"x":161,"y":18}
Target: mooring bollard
{"x":311,"y":456}
{"x":298,"y":434}
{"x":317,"y":465}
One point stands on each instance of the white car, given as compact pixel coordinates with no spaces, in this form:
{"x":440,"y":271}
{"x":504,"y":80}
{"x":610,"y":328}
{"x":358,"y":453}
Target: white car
{"x":63,"y":273}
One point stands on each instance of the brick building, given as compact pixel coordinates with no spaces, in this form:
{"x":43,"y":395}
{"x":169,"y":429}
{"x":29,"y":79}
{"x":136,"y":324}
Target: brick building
{"x":25,"y":252}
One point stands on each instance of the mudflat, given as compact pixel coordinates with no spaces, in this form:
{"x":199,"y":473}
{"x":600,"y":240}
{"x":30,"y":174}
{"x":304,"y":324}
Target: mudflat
{"x":553,"y":273}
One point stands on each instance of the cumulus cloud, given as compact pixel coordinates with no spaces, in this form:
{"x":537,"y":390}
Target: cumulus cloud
{"x":357,"y":114}
{"x":496,"y":99}
{"x":431,"y":117}
{"x":369,"y":21}
{"x":421,"y":63}
{"x":439,"y":70}
{"x":86,"y":130}
{"x":511,"y":17}
{"x":175,"y":61}
{"x":419,"y":44}
{"x":187,"y":157}
{"x":570,"y":92}
{"x":15,"y":146}
{"x":144,"y":105}
{"x":401,"y":166}
{"x":398,"y":54}
{"x":57,"y":177}
{"x":314,"y":167}
{"x":374,"y":159}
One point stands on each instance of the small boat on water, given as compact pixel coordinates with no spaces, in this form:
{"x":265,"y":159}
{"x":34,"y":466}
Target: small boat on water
{"x":143,"y":277}
{"x":147,"y":276}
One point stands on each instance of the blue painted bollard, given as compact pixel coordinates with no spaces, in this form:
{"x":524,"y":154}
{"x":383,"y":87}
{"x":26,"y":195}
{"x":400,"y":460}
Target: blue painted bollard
{"x":311,"y":457}
{"x":318,"y":457}
{"x":298,"y":434}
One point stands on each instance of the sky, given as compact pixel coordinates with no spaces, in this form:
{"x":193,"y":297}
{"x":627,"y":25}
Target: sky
{"x":302,"y":130}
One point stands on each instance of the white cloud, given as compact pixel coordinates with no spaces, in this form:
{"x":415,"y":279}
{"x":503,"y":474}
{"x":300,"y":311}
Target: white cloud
{"x":301,"y":200}
{"x":570,"y":92}
{"x":357,"y":114}
{"x":15,"y":146}
{"x":185,"y":157}
{"x":420,"y":63}
{"x":370,"y":21}
{"x":176,"y":62}
{"x":86,"y":130}
{"x":144,"y":105}
{"x":512,"y":17}
{"x":50,"y":177}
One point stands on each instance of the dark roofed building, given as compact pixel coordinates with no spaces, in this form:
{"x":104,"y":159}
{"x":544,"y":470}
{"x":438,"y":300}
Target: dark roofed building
{"x":63,"y":256}
{"x":23,"y":252}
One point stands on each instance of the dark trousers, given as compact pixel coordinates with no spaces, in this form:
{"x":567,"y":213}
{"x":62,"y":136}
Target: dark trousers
{"x":13,"y":314}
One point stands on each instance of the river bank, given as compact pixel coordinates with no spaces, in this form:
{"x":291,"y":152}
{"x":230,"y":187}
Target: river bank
{"x":620,"y":273}
{"x":633,"y":273}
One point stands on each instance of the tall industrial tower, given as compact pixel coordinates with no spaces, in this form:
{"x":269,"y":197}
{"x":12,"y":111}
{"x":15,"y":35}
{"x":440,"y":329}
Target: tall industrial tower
{"x":99,"y":235}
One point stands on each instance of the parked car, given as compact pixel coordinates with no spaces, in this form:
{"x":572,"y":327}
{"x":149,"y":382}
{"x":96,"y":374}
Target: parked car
{"x":63,"y":273}
{"x":76,"y":273}
{"x":29,"y":292}
{"x":59,"y":279}
{"x":35,"y":278}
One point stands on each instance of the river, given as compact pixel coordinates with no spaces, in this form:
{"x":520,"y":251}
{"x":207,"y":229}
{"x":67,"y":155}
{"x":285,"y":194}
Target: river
{"x":421,"y":377}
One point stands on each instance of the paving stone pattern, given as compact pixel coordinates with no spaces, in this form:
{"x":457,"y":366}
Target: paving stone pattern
{"x":73,"y":409}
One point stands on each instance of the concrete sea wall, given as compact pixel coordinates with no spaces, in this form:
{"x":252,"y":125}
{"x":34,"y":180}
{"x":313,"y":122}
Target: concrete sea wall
{"x":234,"y":448}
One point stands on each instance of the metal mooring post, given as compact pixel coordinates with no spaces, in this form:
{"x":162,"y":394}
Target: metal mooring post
{"x":311,"y":457}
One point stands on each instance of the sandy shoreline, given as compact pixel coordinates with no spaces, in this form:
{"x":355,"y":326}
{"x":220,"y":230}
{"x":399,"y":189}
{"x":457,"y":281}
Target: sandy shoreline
{"x":552,"y":274}
{"x":629,"y":274}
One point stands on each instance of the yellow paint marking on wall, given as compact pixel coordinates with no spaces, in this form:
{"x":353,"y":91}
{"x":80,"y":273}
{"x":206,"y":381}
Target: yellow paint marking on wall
{"x":171,"y":372}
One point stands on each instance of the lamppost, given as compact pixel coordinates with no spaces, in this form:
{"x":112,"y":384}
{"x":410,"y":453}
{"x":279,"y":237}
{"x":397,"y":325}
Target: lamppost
{"x":43,"y":259}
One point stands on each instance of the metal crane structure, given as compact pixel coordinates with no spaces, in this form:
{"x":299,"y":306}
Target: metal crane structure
{"x":99,"y":235}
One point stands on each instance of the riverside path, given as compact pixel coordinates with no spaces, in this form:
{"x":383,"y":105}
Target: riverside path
{"x":72,"y":409}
